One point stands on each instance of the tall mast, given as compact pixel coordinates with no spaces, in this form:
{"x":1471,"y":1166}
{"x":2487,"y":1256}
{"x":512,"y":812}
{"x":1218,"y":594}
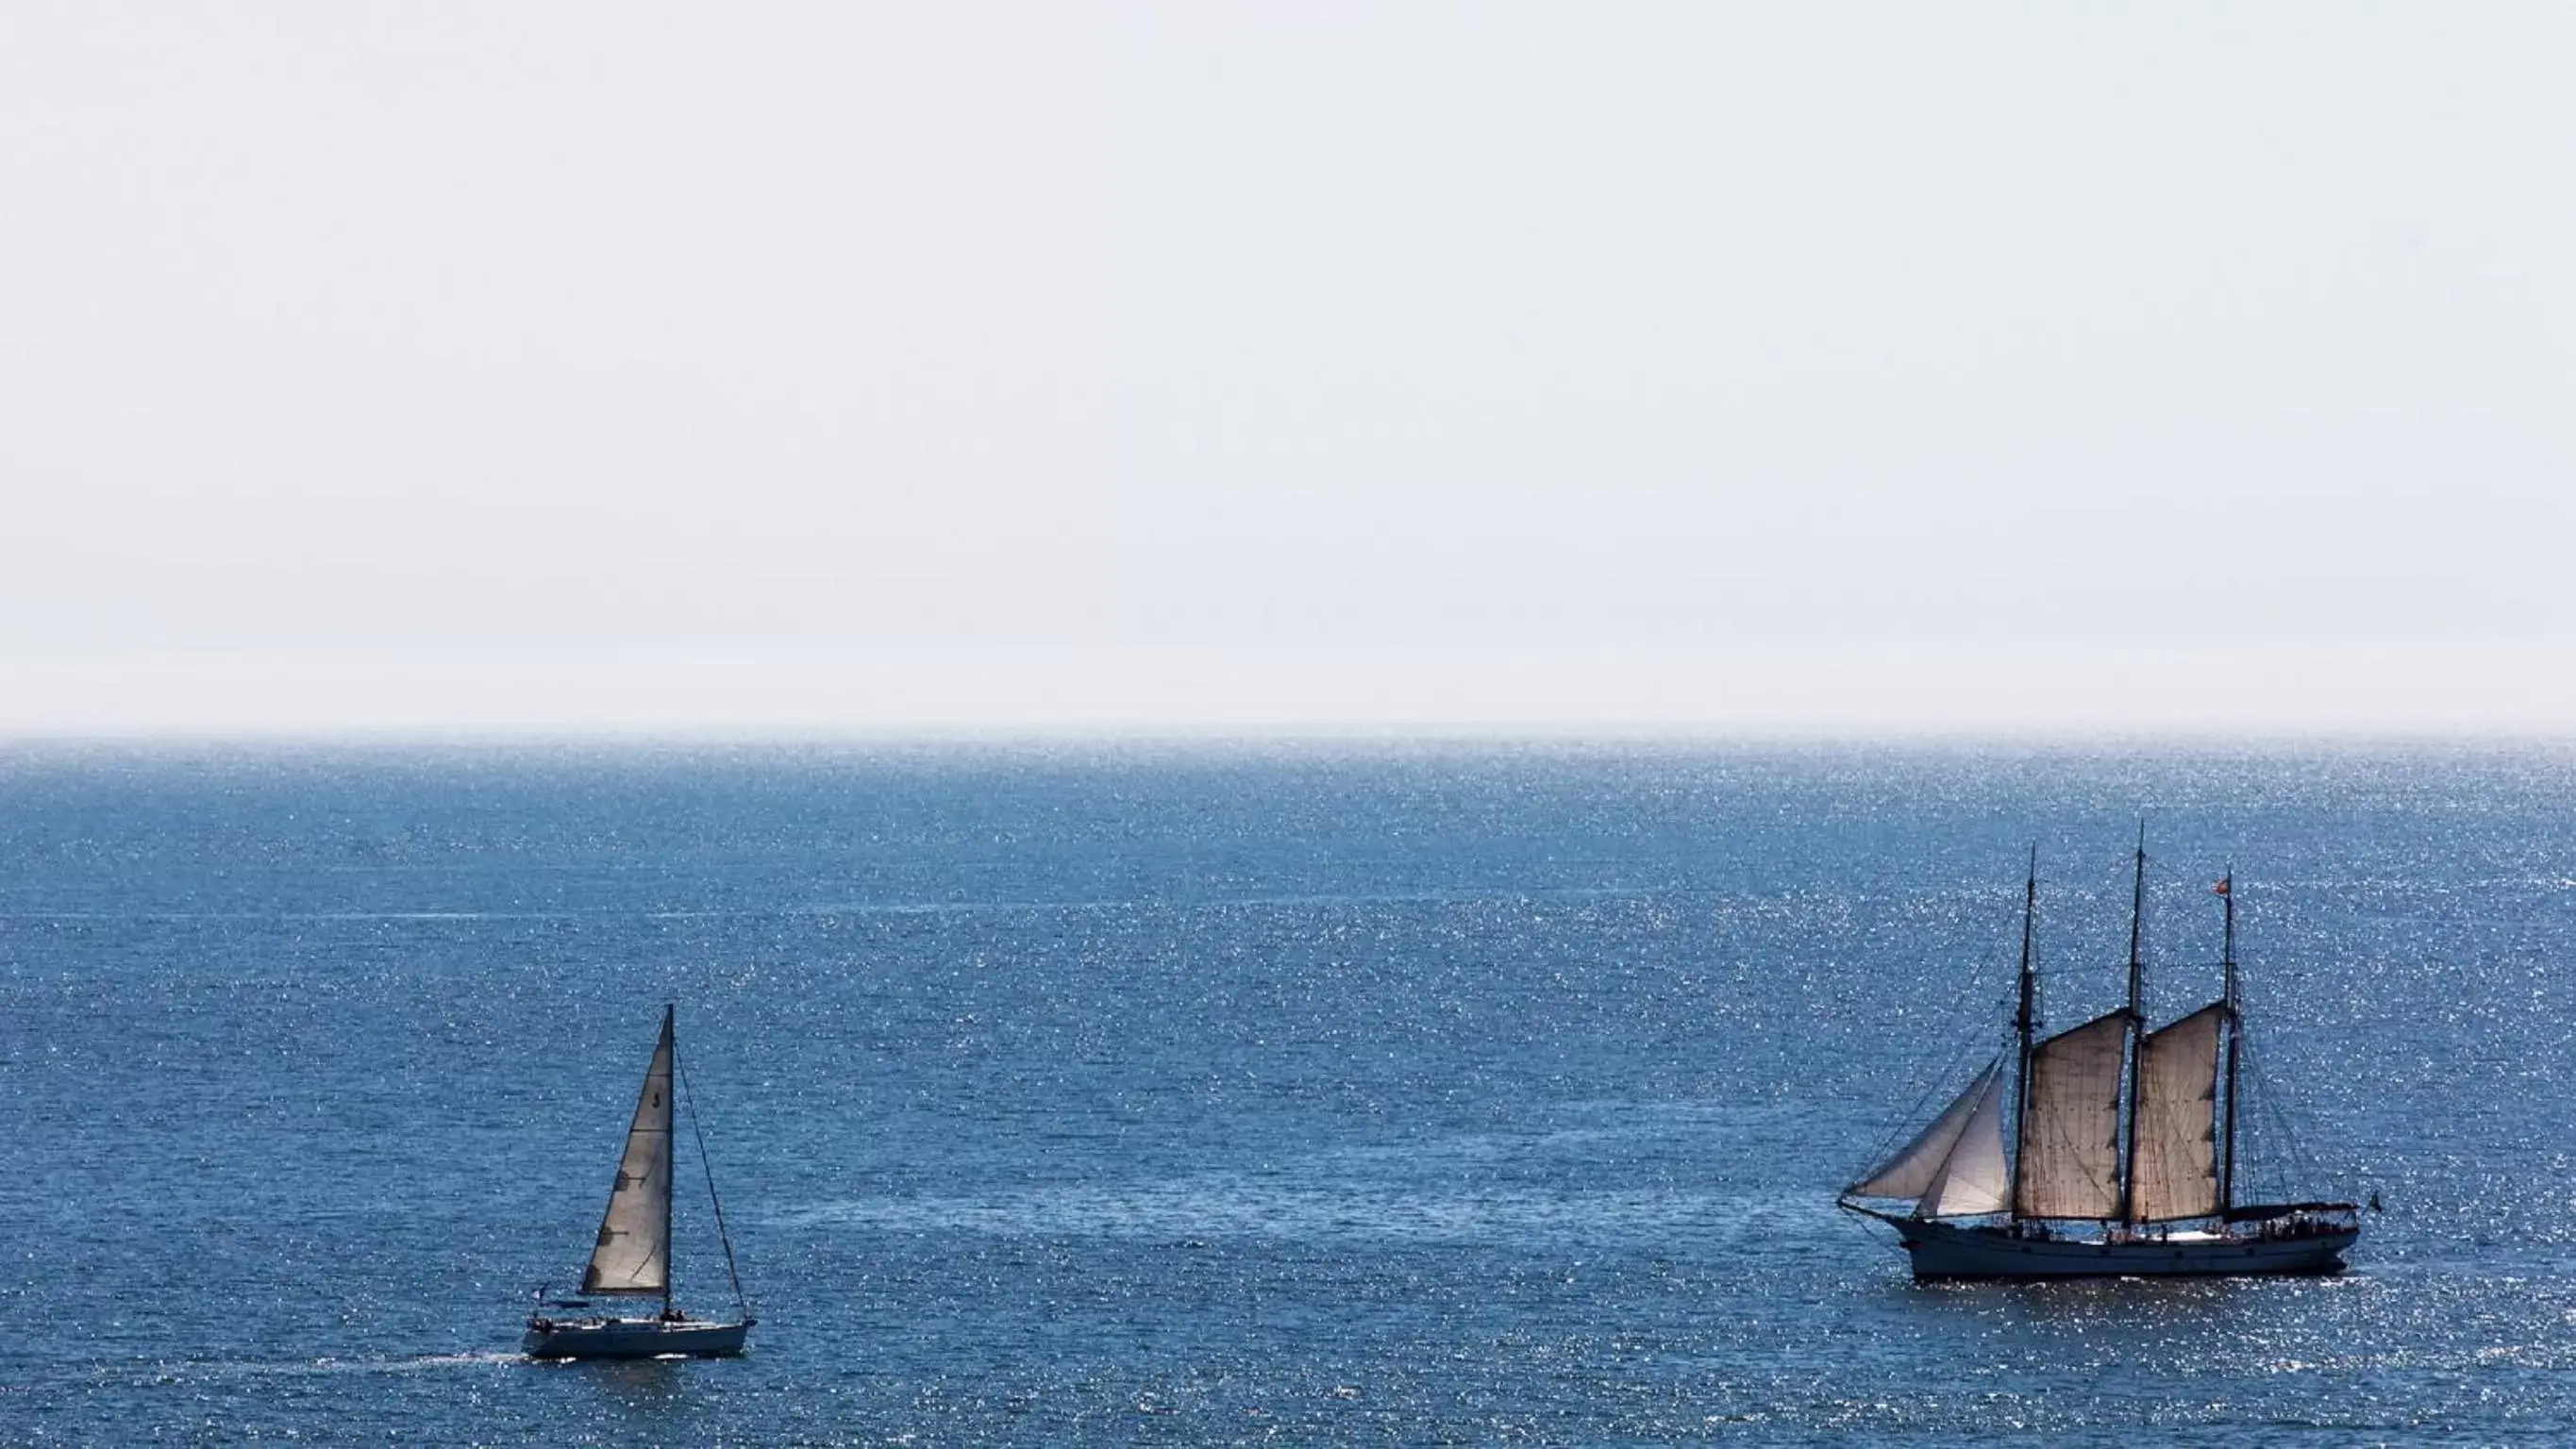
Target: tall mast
{"x":2235,"y":1031}
{"x":2023,"y":1021}
{"x":670,"y":1149}
{"x":2137,"y":1024}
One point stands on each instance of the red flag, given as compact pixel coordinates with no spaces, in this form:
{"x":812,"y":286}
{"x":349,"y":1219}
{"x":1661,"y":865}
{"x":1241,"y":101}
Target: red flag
{"x":2219,"y":889}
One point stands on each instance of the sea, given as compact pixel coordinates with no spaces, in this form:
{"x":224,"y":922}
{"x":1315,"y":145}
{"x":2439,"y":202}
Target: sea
{"x":1129,"y":1092}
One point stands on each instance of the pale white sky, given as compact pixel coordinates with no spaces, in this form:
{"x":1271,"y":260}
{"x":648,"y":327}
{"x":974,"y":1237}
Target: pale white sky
{"x":1689,"y":366}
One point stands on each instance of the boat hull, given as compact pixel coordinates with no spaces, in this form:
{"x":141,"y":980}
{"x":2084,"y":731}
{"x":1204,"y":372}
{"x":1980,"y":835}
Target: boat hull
{"x":633,"y":1338}
{"x":1947,"y":1250}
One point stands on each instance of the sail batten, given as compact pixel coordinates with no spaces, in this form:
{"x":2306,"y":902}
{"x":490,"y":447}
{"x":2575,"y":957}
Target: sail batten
{"x":633,"y":1253}
{"x":1911,"y":1170}
{"x":2070,"y":1130}
{"x":2176,"y":1173}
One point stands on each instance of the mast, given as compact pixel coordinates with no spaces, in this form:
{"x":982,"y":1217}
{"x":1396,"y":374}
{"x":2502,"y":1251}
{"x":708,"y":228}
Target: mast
{"x":2023,"y":1021}
{"x":2137,"y":1025}
{"x":2235,"y":1031}
{"x":670,"y":1146}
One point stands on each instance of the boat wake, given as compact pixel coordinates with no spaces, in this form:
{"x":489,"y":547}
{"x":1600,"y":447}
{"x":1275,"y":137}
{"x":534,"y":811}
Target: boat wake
{"x":208,"y":1370}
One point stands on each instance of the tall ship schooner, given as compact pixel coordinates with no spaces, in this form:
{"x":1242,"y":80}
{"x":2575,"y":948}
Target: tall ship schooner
{"x":2123,"y":1157}
{"x":632,"y":1256}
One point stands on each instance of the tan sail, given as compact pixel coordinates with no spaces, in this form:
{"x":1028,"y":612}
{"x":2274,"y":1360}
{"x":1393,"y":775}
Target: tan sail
{"x":1910,"y":1171}
{"x":1973,"y":1178}
{"x":2174,"y":1173}
{"x":2070,"y":1130}
{"x":633,"y":1255}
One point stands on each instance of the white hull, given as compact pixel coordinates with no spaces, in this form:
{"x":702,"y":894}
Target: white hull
{"x":1951,"y":1250}
{"x":632,"y":1338}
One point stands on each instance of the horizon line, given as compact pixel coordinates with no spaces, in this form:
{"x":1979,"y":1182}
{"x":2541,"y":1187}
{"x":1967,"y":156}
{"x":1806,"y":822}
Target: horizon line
{"x":1859,"y":693}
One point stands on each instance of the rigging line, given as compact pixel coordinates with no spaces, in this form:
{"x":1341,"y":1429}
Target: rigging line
{"x":1934,"y":1085}
{"x":2262,"y":1136}
{"x":2292,"y":1166}
{"x":2277,"y":1108}
{"x":698,"y":1129}
{"x":1938,"y":1083}
{"x":1962,"y":1062}
{"x":2305,"y":1165}
{"x":2281,"y":1147}
{"x":1863,"y":1229}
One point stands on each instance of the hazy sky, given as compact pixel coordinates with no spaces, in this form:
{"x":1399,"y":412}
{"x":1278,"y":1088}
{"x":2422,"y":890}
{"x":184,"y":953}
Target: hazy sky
{"x":1198,"y":365}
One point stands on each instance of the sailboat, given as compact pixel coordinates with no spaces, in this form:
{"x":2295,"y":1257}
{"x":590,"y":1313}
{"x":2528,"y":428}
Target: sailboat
{"x":632,"y":1258}
{"x":2124,"y":1157}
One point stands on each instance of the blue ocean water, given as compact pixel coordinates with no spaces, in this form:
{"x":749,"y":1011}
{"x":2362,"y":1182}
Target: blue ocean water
{"x":1152,"y":1095}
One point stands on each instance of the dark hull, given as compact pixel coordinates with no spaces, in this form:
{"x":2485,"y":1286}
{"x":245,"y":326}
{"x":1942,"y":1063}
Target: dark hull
{"x":1947,"y":1250}
{"x":633,"y":1338}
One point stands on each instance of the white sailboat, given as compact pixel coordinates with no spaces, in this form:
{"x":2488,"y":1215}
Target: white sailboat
{"x":632,"y":1258}
{"x":2123,"y":1157}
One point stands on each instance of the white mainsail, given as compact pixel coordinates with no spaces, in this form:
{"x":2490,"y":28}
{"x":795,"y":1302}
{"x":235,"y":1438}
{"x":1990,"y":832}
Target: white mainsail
{"x":1911,"y":1171}
{"x":2070,"y":1129}
{"x":2174,"y":1172}
{"x":1973,"y":1178}
{"x":634,"y":1250}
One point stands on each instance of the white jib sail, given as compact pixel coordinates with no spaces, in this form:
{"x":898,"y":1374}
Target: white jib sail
{"x":634,"y":1250}
{"x":1973,"y":1178}
{"x":2070,"y":1130}
{"x":1909,"y":1173}
{"x":2175,"y":1171}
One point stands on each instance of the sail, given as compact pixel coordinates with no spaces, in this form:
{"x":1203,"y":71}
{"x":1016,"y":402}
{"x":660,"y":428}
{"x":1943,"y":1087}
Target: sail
{"x":1910,"y":1172}
{"x":634,"y":1250}
{"x":2174,"y":1173}
{"x":1973,"y":1178}
{"x":2070,"y":1129}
